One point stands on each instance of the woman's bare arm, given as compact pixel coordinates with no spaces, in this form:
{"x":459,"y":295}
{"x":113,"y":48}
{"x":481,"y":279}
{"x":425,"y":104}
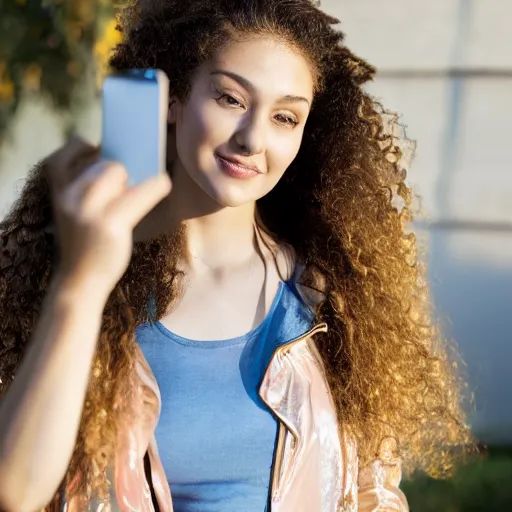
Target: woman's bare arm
{"x":95,"y":214}
{"x":41,"y":412}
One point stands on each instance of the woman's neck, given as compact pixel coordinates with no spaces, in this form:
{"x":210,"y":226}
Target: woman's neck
{"x":217,"y":239}
{"x":220,"y":241}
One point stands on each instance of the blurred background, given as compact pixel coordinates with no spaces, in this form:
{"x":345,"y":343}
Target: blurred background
{"x":446,"y":67}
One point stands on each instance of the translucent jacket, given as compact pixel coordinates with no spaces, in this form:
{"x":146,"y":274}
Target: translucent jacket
{"x":315,"y":467}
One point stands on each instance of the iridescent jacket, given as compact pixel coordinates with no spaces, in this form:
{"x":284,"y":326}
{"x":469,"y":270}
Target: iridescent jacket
{"x":315,"y":468}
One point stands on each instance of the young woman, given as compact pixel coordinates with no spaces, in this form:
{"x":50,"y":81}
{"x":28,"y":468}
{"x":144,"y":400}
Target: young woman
{"x":271,"y":330}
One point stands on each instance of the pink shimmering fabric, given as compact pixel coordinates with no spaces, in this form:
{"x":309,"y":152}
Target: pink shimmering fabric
{"x":378,"y":483}
{"x":311,"y":472}
{"x":316,"y":468}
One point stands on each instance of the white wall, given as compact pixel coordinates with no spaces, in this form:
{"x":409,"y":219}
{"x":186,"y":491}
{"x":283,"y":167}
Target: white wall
{"x":446,"y":66}
{"x":35,"y":133}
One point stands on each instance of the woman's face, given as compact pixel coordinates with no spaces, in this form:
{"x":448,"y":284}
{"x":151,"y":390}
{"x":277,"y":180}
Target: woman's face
{"x":242,"y":124}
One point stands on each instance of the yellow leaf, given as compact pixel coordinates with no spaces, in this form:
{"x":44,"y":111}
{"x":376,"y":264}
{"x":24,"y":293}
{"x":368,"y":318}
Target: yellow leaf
{"x":6,"y":84}
{"x":103,"y":48}
{"x":74,"y":69}
{"x":32,"y":76}
{"x":6,"y":91}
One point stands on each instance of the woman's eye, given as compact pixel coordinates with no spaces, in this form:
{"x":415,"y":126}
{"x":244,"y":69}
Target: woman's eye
{"x":288,"y":120}
{"x":228,"y":100}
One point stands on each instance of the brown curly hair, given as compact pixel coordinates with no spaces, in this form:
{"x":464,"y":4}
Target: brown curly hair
{"x":343,"y":205}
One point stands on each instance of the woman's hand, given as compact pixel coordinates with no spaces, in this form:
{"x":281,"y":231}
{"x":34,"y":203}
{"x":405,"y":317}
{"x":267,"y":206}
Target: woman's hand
{"x":95,"y":213}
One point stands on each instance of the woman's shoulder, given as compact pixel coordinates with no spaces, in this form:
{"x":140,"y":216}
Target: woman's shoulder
{"x":309,"y":285}
{"x":277,"y":254}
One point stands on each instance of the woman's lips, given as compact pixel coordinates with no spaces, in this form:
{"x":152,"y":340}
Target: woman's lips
{"x":236,"y":170}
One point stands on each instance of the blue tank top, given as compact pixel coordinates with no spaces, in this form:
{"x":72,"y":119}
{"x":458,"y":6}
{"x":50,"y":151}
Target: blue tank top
{"x":215,"y":435}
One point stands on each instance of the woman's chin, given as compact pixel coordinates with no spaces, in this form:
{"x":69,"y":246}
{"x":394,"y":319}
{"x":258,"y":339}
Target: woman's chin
{"x":225,"y":191}
{"x":230,"y":200}
{"x":230,"y":195}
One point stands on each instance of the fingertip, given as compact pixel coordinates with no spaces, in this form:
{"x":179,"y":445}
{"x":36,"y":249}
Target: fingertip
{"x":117,"y":166}
{"x":113,"y":166}
{"x":165,"y":178}
{"x":165,"y":184}
{"x":163,"y":181}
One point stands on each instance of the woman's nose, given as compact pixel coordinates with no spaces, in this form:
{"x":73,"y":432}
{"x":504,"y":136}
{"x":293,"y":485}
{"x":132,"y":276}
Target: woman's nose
{"x":250,"y":137}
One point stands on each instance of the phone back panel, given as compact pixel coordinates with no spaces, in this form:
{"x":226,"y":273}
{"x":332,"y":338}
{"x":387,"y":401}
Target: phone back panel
{"x":134,"y":122}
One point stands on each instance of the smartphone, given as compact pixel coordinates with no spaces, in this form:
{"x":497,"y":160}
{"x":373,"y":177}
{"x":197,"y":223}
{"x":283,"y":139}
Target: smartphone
{"x":134,"y":125}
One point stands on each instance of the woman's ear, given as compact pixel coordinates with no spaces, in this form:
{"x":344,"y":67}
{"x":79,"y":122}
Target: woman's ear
{"x":172,"y":113}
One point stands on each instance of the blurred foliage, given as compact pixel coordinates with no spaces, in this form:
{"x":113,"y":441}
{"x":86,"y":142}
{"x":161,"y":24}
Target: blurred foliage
{"x":50,"y":47}
{"x":481,"y":485}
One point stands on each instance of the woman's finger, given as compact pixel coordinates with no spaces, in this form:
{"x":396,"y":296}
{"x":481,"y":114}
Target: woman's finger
{"x":62,"y":166}
{"x":139,"y":200}
{"x":98,"y":186}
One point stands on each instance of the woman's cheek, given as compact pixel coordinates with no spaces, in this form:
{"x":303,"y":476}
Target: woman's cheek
{"x":201,"y":121}
{"x":283,"y":151}
{"x":218,"y":124}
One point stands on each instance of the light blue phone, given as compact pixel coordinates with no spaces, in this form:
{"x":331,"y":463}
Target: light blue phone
{"x":134,"y":126}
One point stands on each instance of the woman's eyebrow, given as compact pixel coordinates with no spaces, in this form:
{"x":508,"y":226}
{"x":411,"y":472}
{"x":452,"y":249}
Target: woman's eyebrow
{"x":289,"y":98}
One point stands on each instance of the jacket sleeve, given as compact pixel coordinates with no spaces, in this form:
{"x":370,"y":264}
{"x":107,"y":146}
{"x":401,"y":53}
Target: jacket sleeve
{"x":378,"y":482}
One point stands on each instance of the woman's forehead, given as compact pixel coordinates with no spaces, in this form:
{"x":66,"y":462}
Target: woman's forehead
{"x":265,"y":64}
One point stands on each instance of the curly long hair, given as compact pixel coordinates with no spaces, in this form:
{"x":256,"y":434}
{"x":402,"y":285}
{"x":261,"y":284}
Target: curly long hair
{"x":344,"y":207}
